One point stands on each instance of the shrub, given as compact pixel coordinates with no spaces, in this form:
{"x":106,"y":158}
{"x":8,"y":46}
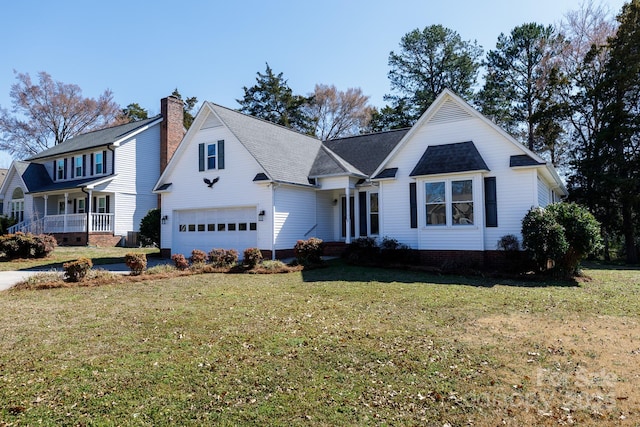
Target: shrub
{"x":222,"y":258}
{"x":252,"y":257}
{"x":5,"y":223}
{"x":198,"y":257}
{"x":309,"y":251}
{"x":560,"y":236}
{"x":392,"y":251}
{"x":273,"y":265}
{"x":150,"y":228}
{"x":509,"y":243}
{"x":21,"y":245}
{"x":363,"y":250}
{"x":75,"y":271}
{"x":582,"y":232}
{"x":180,"y":261}
{"x":137,"y":263}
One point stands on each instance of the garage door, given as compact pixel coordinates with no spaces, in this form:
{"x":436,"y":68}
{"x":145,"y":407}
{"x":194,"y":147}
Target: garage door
{"x":229,"y":228}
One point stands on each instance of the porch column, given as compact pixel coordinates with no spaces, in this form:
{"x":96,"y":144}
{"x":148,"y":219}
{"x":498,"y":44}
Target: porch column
{"x":46,"y":199}
{"x":66,"y":203}
{"x":347,"y":220}
{"x":89,"y":215}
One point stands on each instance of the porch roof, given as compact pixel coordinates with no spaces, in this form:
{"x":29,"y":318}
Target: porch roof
{"x":69,"y":185}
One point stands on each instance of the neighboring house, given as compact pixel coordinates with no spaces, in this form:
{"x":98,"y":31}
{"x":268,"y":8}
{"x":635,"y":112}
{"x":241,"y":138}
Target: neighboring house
{"x":452,"y":185}
{"x":96,"y":187}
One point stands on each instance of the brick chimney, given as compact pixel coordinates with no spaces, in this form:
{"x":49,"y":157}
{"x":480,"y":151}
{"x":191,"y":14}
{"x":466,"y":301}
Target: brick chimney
{"x":171,"y":129}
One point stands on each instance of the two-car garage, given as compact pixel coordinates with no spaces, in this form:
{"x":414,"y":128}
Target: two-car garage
{"x":206,"y":229}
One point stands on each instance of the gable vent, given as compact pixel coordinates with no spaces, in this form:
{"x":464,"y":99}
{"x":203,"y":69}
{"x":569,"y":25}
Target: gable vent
{"x":211,"y":122}
{"x":449,"y":112}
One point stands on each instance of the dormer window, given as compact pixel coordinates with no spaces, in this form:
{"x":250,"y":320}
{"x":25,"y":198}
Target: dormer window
{"x":78,"y":166}
{"x":60,"y":169}
{"x":99,"y":163}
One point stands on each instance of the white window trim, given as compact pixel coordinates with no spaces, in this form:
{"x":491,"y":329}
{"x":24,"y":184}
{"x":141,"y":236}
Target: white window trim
{"x":77,"y":166}
{"x":59,"y":169}
{"x":102,"y":163}
{"x":84,"y":202}
{"x":207,"y":156}
{"x":476,"y":193}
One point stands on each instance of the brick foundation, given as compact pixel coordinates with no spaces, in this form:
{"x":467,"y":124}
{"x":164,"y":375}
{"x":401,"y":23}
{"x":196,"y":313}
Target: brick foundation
{"x":80,"y":239}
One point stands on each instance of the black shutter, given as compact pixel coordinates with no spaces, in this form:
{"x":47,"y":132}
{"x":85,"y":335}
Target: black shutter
{"x":75,"y":206}
{"x":362,"y":206}
{"x":55,"y":171}
{"x":73,"y":166}
{"x":413,"y":205}
{"x":200,"y":157}
{"x":107,"y":205}
{"x":221,"y":154}
{"x":91,"y":164}
{"x":491,"y":201}
{"x":104,"y":161}
{"x":65,"y":168}
{"x":94,"y":207}
{"x":84,"y":165}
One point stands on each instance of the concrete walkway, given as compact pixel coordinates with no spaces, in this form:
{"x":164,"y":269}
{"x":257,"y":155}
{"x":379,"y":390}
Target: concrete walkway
{"x":10,"y":278}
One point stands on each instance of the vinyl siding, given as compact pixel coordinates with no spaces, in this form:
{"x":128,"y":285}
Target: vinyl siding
{"x":235,"y":187}
{"x":543,"y":194}
{"x":515,"y":187}
{"x":295,"y":215}
{"x":29,"y":212}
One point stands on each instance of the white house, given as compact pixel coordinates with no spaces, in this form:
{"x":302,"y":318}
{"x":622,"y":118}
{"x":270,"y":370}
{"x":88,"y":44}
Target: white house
{"x":452,"y":185}
{"x":96,"y":187}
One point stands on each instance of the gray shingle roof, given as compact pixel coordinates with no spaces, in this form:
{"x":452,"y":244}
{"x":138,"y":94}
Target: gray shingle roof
{"x":523,"y":160}
{"x":98,"y":138}
{"x":449,"y":158}
{"x":366,"y":152}
{"x":34,"y":175}
{"x":285,"y":155}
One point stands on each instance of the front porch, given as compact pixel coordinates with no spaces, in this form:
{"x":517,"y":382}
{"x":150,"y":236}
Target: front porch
{"x":67,"y":223}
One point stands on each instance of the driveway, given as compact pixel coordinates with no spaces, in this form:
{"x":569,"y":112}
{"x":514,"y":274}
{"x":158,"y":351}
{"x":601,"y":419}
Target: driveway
{"x":10,"y":278}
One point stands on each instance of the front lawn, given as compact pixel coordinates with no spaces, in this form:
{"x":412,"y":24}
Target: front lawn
{"x":336,"y":346}
{"x":62,"y":254}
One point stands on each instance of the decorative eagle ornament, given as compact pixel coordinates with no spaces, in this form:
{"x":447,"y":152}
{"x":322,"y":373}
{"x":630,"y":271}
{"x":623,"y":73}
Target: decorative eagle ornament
{"x":210,"y":182}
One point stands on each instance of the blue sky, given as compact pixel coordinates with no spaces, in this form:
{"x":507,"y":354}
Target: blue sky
{"x":211,"y":49}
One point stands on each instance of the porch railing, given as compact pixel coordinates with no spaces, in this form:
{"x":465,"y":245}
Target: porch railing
{"x":72,"y":223}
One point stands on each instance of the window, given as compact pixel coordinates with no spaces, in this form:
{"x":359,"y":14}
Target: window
{"x":80,"y":205}
{"x":374,"y":222}
{"x":221,"y":227}
{"x":17,"y":210}
{"x":242,"y":226}
{"x":99,"y":163}
{"x":231,"y":227}
{"x":211,"y":227}
{"x":60,"y":169}
{"x":435,"y":199}
{"x":182,"y":228}
{"x":449,"y":202}
{"x":102,"y":205}
{"x":253,"y":226}
{"x":200,"y":227}
{"x":192,"y":227}
{"x":462,"y":202}
{"x":211,"y":156}
{"x":78,"y":166}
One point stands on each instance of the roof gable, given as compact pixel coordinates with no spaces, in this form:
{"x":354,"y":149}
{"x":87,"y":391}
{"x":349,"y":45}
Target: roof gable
{"x":366,"y":152}
{"x":98,"y":138}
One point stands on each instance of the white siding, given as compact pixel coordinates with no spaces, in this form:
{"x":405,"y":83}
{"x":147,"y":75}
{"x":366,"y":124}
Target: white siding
{"x":295,"y":215}
{"x":29,"y":212}
{"x":515,"y":188}
{"x":543,"y":193}
{"x":327,"y":216}
{"x":234,"y":189}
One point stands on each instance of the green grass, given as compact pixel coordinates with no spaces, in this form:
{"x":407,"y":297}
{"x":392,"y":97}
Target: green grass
{"x":62,"y":254}
{"x":336,"y":346}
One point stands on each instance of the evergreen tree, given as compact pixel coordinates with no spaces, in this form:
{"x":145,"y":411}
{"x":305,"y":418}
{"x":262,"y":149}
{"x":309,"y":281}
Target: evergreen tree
{"x":273,"y":100}
{"x":519,"y":90}
{"x":189,"y":105}
{"x":428,"y":62}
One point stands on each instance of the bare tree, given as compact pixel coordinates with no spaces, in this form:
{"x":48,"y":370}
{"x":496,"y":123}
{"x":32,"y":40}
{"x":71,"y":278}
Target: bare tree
{"x":49,"y":113}
{"x":338,"y":114}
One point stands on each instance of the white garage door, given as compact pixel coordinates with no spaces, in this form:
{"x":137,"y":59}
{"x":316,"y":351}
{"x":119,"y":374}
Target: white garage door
{"x":229,"y":228}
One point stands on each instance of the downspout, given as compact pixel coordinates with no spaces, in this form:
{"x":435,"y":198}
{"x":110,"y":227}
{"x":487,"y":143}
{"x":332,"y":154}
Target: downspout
{"x":273,"y":221}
